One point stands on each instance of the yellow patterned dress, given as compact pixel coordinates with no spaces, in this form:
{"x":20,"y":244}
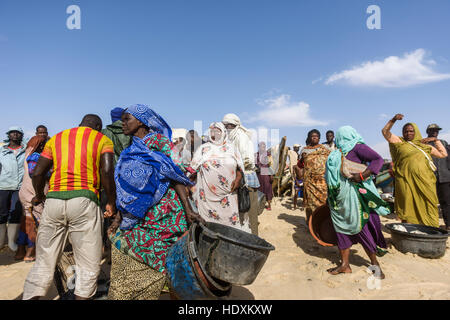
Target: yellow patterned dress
{"x":315,"y":187}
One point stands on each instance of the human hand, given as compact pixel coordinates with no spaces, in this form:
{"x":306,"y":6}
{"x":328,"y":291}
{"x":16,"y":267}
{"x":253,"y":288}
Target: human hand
{"x":115,"y":224}
{"x":429,"y":139}
{"x":398,"y":116}
{"x":355,"y":177}
{"x":235,"y":184}
{"x":110,"y":210}
{"x":192,"y":217}
{"x":38,"y":200}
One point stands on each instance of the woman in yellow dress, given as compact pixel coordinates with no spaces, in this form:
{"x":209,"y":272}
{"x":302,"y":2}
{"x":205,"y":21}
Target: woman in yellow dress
{"x":415,"y":183}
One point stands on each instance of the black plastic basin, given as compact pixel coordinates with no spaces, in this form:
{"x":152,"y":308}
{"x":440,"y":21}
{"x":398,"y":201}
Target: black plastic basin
{"x":430,"y":245}
{"x":231,"y":255}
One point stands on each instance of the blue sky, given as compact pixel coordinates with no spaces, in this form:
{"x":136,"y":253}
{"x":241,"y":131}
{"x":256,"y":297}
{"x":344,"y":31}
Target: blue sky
{"x":270,"y":62}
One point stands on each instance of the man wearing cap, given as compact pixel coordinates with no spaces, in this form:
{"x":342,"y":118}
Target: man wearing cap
{"x":240,"y":137}
{"x":12,"y":156}
{"x":442,"y":174}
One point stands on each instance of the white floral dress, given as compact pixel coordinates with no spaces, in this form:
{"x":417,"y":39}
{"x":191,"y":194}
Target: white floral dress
{"x":216,"y":166}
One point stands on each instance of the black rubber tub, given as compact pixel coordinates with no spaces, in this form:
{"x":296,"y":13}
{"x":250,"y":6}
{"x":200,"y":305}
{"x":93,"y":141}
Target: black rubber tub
{"x":231,"y":255}
{"x":430,"y":245}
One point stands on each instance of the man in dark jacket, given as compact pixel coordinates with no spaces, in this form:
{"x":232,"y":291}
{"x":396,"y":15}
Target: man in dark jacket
{"x":442,"y":175}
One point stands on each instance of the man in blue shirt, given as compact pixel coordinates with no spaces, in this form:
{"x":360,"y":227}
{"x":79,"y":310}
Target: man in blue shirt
{"x":12,"y":156}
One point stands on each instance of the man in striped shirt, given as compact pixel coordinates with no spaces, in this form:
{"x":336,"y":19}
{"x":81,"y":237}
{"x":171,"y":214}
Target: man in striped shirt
{"x":81,"y":160}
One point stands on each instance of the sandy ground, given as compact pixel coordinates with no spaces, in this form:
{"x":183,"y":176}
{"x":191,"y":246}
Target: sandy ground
{"x":297,"y":268}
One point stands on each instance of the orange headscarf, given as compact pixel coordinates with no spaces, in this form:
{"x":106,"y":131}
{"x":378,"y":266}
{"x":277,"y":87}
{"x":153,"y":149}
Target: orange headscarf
{"x":34,"y":143}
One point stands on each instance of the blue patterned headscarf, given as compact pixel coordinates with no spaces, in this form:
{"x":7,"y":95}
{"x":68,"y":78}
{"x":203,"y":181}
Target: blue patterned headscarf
{"x":150,"y":118}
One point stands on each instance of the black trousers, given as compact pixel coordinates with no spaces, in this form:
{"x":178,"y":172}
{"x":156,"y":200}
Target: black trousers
{"x":443,"y":190}
{"x":10,"y":206}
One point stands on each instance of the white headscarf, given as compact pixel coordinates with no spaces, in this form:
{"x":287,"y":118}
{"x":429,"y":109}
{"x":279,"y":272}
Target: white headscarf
{"x":241,"y":137}
{"x":223,"y":137}
{"x":231,"y":118}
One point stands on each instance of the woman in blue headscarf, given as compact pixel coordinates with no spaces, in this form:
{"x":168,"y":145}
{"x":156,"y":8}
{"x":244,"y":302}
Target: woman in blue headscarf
{"x":353,"y":199}
{"x":152,"y":204}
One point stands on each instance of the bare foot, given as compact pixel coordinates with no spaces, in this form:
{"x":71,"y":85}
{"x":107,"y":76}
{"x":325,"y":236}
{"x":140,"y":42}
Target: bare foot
{"x":378,"y":273}
{"x":340,"y":269}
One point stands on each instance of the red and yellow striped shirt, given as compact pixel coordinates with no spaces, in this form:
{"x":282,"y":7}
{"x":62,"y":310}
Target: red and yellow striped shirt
{"x":76,"y":156}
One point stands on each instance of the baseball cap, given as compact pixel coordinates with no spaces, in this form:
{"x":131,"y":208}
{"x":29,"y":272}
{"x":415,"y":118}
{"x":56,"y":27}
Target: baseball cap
{"x":434,"y":126}
{"x":14,"y":128}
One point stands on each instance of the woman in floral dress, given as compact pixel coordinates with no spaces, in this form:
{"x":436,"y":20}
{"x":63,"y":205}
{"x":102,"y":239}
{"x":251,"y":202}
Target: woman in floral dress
{"x":219,"y":172}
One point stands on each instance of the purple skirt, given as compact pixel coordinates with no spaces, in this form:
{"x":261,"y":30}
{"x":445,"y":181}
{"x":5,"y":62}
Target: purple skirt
{"x":370,"y":236}
{"x":265,"y":186}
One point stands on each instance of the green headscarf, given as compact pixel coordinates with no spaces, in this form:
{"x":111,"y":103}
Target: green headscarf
{"x":347,"y":138}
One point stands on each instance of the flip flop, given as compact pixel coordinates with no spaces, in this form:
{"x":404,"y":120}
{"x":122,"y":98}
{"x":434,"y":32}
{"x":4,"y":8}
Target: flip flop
{"x":29,"y":260}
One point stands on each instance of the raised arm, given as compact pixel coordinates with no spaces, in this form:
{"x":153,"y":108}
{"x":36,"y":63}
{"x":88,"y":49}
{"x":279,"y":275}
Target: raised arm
{"x":387,"y":134}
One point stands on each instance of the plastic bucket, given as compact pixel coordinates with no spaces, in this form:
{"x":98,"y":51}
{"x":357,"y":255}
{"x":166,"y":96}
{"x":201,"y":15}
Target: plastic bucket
{"x":230,"y":254}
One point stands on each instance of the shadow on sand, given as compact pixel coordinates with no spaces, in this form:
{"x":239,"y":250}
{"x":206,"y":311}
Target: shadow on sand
{"x":309,"y":245}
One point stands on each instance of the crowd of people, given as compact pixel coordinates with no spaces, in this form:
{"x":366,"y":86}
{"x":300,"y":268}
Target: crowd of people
{"x":145,"y":188}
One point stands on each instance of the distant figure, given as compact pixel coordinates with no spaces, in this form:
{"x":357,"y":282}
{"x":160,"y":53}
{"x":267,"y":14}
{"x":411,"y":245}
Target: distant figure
{"x":82,"y":160}
{"x":298,"y":184}
{"x":442,"y":174}
{"x":313,"y":159}
{"x":240,"y":137}
{"x":293,"y":160}
{"x":354,"y":202}
{"x":42,"y":131}
{"x":330,"y":145}
{"x":219,"y":171}
{"x":12,"y":156}
{"x":30,"y":222}
{"x":263,"y":164}
{"x":193,"y":142}
{"x":296,"y":148}
{"x":114,"y":132}
{"x":415,"y":182}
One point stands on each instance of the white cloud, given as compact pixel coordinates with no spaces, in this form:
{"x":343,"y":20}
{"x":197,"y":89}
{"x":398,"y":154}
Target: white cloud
{"x":409,"y":70}
{"x":282,"y":112}
{"x":383,"y":116}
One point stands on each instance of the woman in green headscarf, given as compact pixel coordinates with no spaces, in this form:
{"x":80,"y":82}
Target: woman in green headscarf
{"x":415,"y":183}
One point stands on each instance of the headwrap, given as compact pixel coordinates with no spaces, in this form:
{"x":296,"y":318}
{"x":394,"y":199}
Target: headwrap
{"x":116,"y":114}
{"x":34,"y":143}
{"x":33,"y":156}
{"x":347,"y":138}
{"x":142,"y":178}
{"x":223,"y":130}
{"x":231,"y":118}
{"x":150,"y":118}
